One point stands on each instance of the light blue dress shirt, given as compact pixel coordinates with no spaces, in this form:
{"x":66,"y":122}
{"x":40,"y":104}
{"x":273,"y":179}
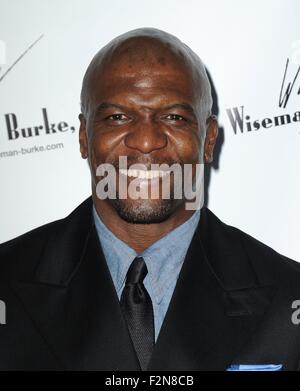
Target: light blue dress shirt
{"x":164,"y":260}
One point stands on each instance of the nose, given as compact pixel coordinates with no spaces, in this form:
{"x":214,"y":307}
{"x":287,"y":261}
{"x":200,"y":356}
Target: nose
{"x":146,"y":136}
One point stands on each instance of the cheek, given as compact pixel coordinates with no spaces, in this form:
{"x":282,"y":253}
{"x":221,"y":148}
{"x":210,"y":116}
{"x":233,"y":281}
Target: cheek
{"x":101,"y":145}
{"x":188,"y":148}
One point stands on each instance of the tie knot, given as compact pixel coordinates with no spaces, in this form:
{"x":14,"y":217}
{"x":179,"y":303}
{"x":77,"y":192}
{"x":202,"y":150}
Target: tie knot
{"x":137,"y":271}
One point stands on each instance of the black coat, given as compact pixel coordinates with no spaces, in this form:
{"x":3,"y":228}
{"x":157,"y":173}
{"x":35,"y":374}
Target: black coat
{"x":232,"y":303}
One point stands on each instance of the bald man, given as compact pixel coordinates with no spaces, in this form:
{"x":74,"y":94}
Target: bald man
{"x":143,"y":276}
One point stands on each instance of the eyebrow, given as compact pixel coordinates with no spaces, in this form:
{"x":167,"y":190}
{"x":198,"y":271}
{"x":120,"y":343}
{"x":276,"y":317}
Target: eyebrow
{"x":107,"y":105}
{"x":183,"y":105}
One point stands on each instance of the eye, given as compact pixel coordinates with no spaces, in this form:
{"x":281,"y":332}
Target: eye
{"x":116,"y":117}
{"x":175,"y":117}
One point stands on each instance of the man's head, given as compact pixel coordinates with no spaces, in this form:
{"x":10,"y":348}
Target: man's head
{"x":146,"y":96}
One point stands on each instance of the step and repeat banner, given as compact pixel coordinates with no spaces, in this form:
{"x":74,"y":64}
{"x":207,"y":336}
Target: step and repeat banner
{"x":252,"y":54}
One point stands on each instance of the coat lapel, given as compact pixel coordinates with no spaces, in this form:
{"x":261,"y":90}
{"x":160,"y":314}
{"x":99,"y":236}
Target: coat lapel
{"x":216,"y":306}
{"x":73,"y":303}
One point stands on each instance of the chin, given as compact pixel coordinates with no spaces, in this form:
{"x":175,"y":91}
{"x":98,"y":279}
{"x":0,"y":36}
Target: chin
{"x":144,"y":211}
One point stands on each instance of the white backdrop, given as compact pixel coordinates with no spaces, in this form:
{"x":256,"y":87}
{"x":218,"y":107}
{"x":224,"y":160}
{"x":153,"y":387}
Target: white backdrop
{"x":245,"y":46}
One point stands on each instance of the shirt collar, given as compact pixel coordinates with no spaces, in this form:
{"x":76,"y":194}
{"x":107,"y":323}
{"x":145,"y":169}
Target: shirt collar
{"x":163,"y":258}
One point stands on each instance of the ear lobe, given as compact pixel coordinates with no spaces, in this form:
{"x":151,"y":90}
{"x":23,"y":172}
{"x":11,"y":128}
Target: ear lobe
{"x":211,"y":138}
{"x":83,"y":137}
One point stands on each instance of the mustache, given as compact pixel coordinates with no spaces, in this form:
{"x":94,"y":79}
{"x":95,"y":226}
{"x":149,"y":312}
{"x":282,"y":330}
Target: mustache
{"x":146,"y":162}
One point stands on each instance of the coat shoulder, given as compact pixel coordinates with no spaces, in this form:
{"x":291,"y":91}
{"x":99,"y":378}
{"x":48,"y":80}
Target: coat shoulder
{"x":19,"y":257}
{"x":268,"y":264}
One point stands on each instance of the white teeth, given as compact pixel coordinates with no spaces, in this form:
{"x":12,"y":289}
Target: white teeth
{"x":122,"y":171}
{"x":143,"y":174}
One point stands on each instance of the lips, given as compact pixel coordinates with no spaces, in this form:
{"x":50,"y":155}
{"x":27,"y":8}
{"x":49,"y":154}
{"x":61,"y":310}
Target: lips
{"x":144,"y":179}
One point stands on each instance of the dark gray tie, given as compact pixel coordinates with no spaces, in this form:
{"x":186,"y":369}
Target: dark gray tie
{"x":137,"y":308}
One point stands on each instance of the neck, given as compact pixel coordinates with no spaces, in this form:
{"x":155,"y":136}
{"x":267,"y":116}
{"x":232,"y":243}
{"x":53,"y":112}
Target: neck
{"x":138,"y":236}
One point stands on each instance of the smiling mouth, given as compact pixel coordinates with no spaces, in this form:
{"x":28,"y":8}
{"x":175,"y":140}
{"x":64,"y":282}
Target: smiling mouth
{"x":144,"y":174}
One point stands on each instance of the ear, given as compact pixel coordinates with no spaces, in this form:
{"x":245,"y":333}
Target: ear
{"x":211,"y":138}
{"x":83,"y":137}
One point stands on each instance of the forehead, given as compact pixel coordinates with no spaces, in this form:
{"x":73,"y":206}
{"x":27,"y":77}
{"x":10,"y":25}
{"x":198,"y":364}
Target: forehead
{"x":157,"y":76}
